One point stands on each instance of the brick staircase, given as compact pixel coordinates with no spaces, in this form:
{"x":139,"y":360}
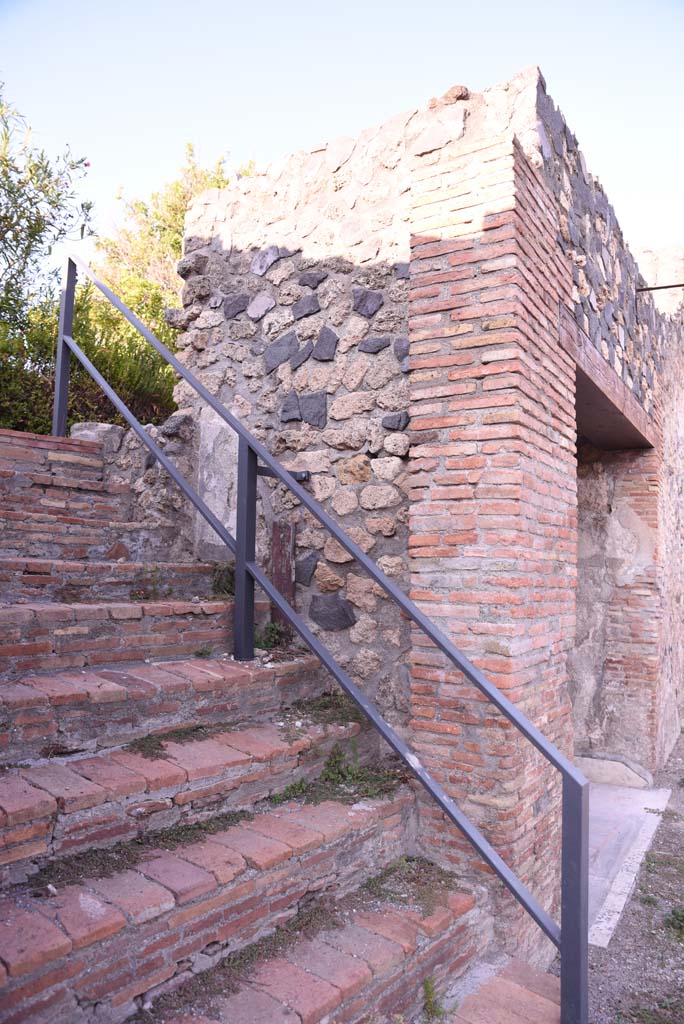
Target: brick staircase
{"x":162,"y":855}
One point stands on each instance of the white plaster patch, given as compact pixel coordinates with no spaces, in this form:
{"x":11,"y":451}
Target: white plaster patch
{"x":91,"y":907}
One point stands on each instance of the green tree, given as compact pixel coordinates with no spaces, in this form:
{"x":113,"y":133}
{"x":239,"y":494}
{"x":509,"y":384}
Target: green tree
{"x":27,"y":366}
{"x":39,"y":207}
{"x":139,"y":261}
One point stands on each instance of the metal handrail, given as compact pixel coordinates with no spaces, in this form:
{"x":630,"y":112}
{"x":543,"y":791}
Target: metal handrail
{"x":571,"y":938}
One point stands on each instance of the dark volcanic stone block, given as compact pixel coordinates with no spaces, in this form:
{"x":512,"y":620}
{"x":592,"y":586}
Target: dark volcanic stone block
{"x":366,"y":301}
{"x":314,"y":408}
{"x":306,"y":306}
{"x":325,"y":348}
{"x":282,"y":349}
{"x":374,"y":344}
{"x":290,"y":408}
{"x":234,"y":305}
{"x":395,"y":421}
{"x":332,"y":612}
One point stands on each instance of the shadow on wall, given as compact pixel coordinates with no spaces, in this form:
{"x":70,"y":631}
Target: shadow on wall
{"x":616,"y":664}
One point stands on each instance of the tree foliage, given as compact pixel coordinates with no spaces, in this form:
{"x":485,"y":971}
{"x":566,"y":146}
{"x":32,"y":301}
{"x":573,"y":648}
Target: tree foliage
{"x":39,"y":207}
{"x":27,"y":365}
{"x":139,"y":261}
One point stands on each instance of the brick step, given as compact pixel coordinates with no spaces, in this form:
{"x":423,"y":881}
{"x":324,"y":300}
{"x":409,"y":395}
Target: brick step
{"x":373,"y":966}
{"x":51,"y":637}
{"x":49,"y":442}
{"x":70,"y":481}
{"x":62,"y":806}
{"x":91,"y":950}
{"x":108,"y":507}
{"x":517,"y":993}
{"x":89,"y":711}
{"x":57,"y":536}
{"x":28,"y":454}
{"x":55,"y":492}
{"x":35,"y":446}
{"x":31,"y":579}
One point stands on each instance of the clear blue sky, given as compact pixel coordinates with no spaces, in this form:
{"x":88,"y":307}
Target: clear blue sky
{"x":127,"y":83}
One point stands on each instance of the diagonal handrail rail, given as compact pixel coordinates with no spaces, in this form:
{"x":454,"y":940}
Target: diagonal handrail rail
{"x":571,"y":938}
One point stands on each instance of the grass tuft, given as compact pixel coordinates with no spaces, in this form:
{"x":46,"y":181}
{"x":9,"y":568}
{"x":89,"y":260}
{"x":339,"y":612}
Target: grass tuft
{"x":107,"y":862}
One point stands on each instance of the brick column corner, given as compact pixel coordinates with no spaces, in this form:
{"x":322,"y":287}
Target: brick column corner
{"x":493,"y":502}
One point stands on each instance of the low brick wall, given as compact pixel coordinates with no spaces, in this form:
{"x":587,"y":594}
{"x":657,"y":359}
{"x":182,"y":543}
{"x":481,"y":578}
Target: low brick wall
{"x":56,"y":637}
{"x":58,"y":475}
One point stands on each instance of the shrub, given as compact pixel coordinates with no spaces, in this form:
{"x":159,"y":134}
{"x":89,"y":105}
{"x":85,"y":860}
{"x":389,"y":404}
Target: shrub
{"x":27,"y":370}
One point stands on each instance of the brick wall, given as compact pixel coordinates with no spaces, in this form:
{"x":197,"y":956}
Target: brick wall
{"x":493,"y":499}
{"x":669,"y":713}
{"x":616,"y":664}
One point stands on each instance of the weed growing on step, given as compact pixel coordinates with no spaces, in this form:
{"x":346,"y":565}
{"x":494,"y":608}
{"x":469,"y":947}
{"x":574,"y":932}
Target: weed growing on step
{"x":313,"y":916}
{"x":148,"y":586}
{"x":270,"y":637}
{"x":432,"y":1008}
{"x":223,"y":580}
{"x":333,"y":708}
{"x":294,"y":791}
{"x":152,"y":746}
{"x":344,"y":781}
{"x":107,"y":862}
{"x":675,"y":922}
{"x":412,"y":881}
{"x":205,"y":651}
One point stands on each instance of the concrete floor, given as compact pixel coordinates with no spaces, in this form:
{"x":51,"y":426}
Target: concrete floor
{"x":622,"y":823}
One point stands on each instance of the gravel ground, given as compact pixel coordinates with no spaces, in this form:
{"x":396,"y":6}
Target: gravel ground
{"x":639,"y":978}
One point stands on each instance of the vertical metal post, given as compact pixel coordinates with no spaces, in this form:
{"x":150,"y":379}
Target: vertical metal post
{"x":575,"y":903}
{"x":245,"y":537}
{"x":63,"y":360}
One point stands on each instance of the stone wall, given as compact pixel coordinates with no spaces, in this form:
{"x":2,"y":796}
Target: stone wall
{"x":295,"y":315}
{"x":624,"y":325}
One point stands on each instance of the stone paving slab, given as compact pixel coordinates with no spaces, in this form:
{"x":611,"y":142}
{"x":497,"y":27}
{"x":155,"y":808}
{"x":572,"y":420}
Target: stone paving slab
{"x":622,"y":823}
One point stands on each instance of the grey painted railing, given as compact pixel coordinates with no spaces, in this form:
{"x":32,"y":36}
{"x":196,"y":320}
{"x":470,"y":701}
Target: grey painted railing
{"x":571,"y":937}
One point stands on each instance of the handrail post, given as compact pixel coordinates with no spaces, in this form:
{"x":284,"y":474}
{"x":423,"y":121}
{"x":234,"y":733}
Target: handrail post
{"x":574,"y":948}
{"x":245,"y":537}
{"x":63,"y":357}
